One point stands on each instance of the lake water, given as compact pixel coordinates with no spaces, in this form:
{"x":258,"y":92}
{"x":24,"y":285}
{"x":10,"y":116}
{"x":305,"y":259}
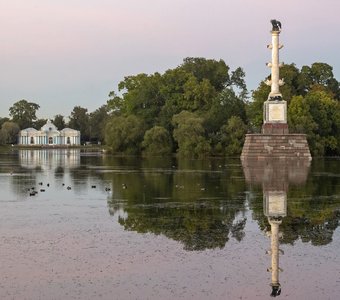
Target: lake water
{"x":101,"y":227}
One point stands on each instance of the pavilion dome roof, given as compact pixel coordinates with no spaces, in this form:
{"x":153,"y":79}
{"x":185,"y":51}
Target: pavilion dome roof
{"x":30,"y":129}
{"x":68,"y":130}
{"x":49,"y":126}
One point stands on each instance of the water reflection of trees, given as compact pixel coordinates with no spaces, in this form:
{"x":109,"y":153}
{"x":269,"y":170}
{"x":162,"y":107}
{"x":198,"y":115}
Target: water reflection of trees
{"x":195,"y":202}
{"x":197,"y":227}
{"x":316,"y":226}
{"x":313,"y":212}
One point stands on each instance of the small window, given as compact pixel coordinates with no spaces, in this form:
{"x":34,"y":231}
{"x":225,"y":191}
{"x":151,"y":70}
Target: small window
{"x":68,"y":140}
{"x":50,"y":140}
{"x":32,"y":140}
{"x":50,"y":128}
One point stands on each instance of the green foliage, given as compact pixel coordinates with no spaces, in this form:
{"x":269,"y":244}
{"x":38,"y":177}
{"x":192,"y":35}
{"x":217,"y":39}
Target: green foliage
{"x":115,"y":103}
{"x":8,"y":133}
{"x":183,"y":91}
{"x":320,"y":75}
{"x":79,"y":120}
{"x":97,"y":124}
{"x":3,"y":120}
{"x":233,"y":135}
{"x":190,"y":136}
{"x":197,"y":95}
{"x":24,"y":113}
{"x":124,"y":134}
{"x":59,"y":122}
{"x":300,"y":119}
{"x":157,"y":141}
{"x":317,"y":115}
{"x":224,"y":106}
{"x":39,"y":123}
{"x":202,"y":86}
{"x":215,"y":72}
{"x":142,"y":97}
{"x":255,"y":107}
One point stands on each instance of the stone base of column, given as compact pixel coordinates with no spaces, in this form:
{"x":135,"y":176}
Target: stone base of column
{"x":278,"y":146}
{"x":275,"y":174}
{"x":275,"y":128}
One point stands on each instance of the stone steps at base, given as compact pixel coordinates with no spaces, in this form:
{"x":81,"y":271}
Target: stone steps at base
{"x":278,"y":146}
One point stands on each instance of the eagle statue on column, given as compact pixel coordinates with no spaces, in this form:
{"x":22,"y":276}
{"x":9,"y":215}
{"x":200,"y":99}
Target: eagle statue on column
{"x":276,"y":25}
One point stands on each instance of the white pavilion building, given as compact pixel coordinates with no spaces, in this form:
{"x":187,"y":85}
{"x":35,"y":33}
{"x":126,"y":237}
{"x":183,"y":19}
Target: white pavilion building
{"x":49,"y":135}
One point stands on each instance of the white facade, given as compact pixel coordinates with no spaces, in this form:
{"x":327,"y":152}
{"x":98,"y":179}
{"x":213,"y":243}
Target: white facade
{"x":49,"y":135}
{"x":49,"y":159}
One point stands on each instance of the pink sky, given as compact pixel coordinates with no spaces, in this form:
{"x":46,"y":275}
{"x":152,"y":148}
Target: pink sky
{"x":64,"y":53}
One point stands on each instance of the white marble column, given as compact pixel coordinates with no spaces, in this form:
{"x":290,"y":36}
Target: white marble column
{"x":275,"y":81}
{"x":274,"y":224}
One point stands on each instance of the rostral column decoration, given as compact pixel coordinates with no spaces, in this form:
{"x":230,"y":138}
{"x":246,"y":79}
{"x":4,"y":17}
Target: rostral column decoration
{"x":275,"y":108}
{"x":275,"y":65}
{"x":275,"y":141}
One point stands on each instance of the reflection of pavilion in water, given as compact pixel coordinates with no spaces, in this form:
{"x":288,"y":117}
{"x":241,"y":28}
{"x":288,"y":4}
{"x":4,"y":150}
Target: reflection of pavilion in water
{"x":275,"y":177}
{"x":49,"y":158}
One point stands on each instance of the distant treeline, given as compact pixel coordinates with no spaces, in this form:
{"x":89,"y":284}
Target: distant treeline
{"x":200,"y":108}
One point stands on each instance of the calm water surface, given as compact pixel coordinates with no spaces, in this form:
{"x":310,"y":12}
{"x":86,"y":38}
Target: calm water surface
{"x":101,"y":227}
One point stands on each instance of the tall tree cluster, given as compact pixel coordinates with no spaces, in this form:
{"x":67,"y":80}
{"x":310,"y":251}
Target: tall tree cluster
{"x":183,"y":110}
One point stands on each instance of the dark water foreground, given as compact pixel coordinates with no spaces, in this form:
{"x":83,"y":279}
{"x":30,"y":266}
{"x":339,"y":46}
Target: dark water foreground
{"x":127,"y":228}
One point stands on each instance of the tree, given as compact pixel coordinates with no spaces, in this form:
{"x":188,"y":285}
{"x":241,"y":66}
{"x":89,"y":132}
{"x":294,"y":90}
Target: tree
{"x":142,"y":96}
{"x":115,"y":103}
{"x":320,"y":76}
{"x":8,"y":133}
{"x":24,"y":113}
{"x":79,"y":120}
{"x":189,"y":134}
{"x":98,"y":120}
{"x":39,"y":123}
{"x":157,"y":141}
{"x":317,"y":115}
{"x":124,"y":134}
{"x":225,"y":105}
{"x":216,"y":72}
{"x":198,"y":96}
{"x":3,"y":120}
{"x":300,"y":119}
{"x":233,"y":135}
{"x":172,"y":90}
{"x":59,"y":122}
{"x":202,"y":86}
{"x":325,"y":111}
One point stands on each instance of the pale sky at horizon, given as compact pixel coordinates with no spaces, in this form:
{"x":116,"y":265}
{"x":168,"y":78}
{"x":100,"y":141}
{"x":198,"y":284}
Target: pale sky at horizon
{"x":60,"y":54}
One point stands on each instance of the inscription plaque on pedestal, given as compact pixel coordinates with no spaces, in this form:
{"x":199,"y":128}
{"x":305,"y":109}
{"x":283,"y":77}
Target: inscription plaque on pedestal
{"x":276,"y":112}
{"x":275,"y":203}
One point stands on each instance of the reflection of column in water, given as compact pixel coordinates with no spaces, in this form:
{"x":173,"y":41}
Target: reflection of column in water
{"x":275,"y":269}
{"x":275,"y":176}
{"x":275,"y":208}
